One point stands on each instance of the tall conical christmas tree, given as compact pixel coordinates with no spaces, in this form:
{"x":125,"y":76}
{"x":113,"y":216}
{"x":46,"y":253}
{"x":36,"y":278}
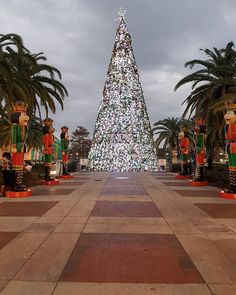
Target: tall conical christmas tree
{"x":122,"y":139}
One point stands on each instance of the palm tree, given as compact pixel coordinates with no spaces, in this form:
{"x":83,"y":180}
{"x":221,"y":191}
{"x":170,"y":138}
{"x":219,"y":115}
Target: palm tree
{"x":4,"y":127}
{"x":23,"y":76}
{"x":39,"y":89}
{"x":215,"y":137}
{"x":167,"y":132}
{"x":218,"y":73}
{"x":34,"y":134}
{"x":213,"y":85}
{"x":11,"y":40}
{"x":6,"y":67}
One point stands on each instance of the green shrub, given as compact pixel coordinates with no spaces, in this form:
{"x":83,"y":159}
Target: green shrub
{"x":176,"y":167}
{"x":72,"y":166}
{"x":218,"y":175}
{"x":31,"y":178}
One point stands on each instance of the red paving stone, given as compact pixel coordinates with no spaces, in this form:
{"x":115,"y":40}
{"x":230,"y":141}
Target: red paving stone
{"x":176,"y":183}
{"x":197,"y":193}
{"x":51,"y":191}
{"x":25,"y":208}
{"x":130,"y":258}
{"x":218,"y":210}
{"x":128,"y":190}
{"x":6,"y":237}
{"x":125,"y":209}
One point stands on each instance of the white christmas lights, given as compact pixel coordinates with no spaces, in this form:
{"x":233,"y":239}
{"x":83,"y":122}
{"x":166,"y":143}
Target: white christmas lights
{"x":122,"y":139}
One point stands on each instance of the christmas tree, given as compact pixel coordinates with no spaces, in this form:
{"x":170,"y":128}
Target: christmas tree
{"x":122,"y":139}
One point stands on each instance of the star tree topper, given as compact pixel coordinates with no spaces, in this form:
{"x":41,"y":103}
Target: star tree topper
{"x":121,"y":13}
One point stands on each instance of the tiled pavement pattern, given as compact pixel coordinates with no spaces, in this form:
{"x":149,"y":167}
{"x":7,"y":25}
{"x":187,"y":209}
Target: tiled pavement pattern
{"x":25,"y":208}
{"x":118,"y":233}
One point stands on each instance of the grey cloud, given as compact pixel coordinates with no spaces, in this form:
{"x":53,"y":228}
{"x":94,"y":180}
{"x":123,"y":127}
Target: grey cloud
{"x":77,"y":36}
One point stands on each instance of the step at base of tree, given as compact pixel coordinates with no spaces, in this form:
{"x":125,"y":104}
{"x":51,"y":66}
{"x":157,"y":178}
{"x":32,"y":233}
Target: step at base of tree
{"x":50,"y":182}
{"x":225,"y":195}
{"x":178,"y":176}
{"x":24,"y":194}
{"x":198,"y":183}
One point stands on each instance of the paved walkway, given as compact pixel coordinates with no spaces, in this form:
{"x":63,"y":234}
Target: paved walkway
{"x":118,"y":233}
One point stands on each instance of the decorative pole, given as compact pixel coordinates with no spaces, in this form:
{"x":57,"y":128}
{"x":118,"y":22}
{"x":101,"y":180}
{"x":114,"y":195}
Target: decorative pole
{"x":200,"y":152}
{"x":48,"y":141}
{"x":65,"y":151}
{"x":19,"y":120}
{"x":230,"y":136}
{"x":184,"y":151}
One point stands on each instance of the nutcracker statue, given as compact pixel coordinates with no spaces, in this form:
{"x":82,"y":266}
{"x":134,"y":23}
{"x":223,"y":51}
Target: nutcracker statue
{"x":230,"y":136}
{"x":19,"y":120}
{"x":65,"y":151}
{"x":184,"y":151}
{"x":48,"y":141}
{"x":200,"y":152}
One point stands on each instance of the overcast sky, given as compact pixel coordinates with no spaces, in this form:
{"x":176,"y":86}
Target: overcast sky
{"x":77,"y":37}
